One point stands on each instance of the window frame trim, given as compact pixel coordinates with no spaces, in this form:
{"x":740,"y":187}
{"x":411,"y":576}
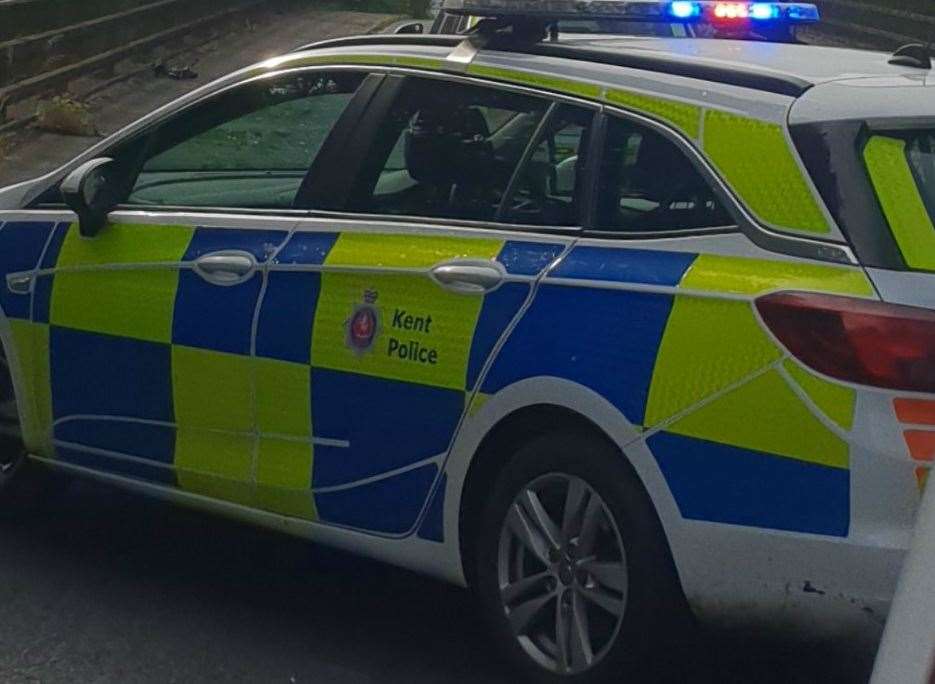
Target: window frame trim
{"x":792,"y":245}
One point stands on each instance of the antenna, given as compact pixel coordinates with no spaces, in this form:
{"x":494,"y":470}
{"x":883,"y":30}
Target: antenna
{"x":915,"y":55}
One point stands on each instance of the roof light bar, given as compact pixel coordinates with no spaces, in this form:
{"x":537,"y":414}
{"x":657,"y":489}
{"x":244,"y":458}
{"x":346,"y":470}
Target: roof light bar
{"x":705,"y":11}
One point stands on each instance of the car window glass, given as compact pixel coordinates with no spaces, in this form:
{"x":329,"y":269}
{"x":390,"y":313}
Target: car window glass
{"x":446,"y":150}
{"x":921,"y":153}
{"x":648,"y":184}
{"x":549,"y":188}
{"x":249,"y":148}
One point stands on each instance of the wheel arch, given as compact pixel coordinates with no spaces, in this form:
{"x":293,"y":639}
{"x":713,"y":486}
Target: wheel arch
{"x":530,"y":408}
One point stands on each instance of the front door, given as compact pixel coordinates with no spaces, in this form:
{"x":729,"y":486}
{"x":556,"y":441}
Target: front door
{"x":151,"y":322}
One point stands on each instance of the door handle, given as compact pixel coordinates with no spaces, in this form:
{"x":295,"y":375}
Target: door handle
{"x":469,"y":277}
{"x":226,"y":268}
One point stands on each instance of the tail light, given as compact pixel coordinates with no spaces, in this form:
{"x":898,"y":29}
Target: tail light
{"x":856,"y":340}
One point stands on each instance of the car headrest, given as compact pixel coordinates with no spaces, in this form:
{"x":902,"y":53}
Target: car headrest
{"x":447,"y":146}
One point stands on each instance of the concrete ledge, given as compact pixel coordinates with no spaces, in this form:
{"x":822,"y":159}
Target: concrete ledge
{"x":99,"y":43}
{"x":894,"y":24}
{"x":28,"y":56}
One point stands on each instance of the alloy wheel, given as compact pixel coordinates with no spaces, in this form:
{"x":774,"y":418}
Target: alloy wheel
{"x":562,"y":573}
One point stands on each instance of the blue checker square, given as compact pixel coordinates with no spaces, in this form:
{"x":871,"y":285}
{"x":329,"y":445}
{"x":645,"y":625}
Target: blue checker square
{"x":606,"y":340}
{"x":148,"y":441}
{"x":94,"y":374}
{"x":528,"y":258}
{"x":726,"y":484}
{"x":284,"y":331}
{"x":390,"y":506}
{"x":260,"y":243}
{"x":622,"y":265}
{"x":213,"y":317}
{"x":497,"y":311}
{"x":21,"y":245}
{"x":307,"y":248}
{"x":389,"y":424}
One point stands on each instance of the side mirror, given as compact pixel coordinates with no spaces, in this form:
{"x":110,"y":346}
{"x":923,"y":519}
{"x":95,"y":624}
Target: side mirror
{"x":410,"y":28}
{"x":92,"y":192}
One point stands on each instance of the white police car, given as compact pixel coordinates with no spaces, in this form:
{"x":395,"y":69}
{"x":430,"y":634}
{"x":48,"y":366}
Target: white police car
{"x":608,"y":328}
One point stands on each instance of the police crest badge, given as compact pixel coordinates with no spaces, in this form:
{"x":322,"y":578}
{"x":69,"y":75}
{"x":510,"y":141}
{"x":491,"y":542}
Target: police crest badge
{"x":363,"y":326}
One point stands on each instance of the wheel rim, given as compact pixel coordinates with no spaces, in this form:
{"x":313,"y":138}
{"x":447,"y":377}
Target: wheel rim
{"x":562,"y":573}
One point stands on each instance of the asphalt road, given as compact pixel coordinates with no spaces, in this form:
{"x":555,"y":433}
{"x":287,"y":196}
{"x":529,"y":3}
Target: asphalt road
{"x":99,"y":585}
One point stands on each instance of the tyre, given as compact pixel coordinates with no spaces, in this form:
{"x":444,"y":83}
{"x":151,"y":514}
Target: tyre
{"x":573,"y":571}
{"x":22,"y":482}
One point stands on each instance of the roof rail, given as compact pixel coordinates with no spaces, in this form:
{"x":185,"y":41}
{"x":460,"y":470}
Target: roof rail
{"x":434,"y":40}
{"x":746,"y":77}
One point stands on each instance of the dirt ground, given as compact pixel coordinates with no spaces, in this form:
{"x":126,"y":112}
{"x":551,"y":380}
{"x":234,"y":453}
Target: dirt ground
{"x":29,"y":153}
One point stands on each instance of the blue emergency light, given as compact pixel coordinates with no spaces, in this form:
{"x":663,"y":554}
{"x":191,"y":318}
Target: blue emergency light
{"x":715,"y":12}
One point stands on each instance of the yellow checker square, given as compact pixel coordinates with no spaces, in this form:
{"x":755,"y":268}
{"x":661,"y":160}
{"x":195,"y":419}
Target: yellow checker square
{"x":708,"y":345}
{"x":212,"y":390}
{"x":412,"y":329}
{"x":31,"y":343}
{"x":215,"y":464}
{"x":738,"y":275}
{"x":765,"y":415}
{"x":686,"y":117}
{"x":407,"y":251}
{"x":283,"y":398}
{"x":122,"y":282}
{"x":422,"y":334}
{"x":284,"y":477}
{"x":759,"y":164}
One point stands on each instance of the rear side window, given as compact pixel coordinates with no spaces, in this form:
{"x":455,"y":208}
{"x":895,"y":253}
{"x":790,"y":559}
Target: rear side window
{"x":921,"y":154}
{"x":446,"y":150}
{"x":901,"y":166}
{"x":647,"y":184}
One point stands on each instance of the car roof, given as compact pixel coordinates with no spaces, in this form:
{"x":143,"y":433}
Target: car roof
{"x":810,"y":63}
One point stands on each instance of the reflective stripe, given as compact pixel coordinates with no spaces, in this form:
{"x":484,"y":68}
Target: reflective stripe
{"x":757,"y":161}
{"x":901,"y":200}
{"x":215,"y":464}
{"x":138,"y":303}
{"x":283,"y":398}
{"x":213,"y":402}
{"x":424,"y":332}
{"x":685,"y":117}
{"x":738,"y":275}
{"x":32,"y":353}
{"x":708,"y":346}
{"x":374,"y":59}
{"x":212,"y":390}
{"x":559,"y":85}
{"x":284,"y":477}
{"x":765,"y":415}
{"x":836,"y":401}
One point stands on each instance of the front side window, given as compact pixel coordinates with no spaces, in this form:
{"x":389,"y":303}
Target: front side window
{"x":446,"y":150}
{"x":248,"y":148}
{"x":647,"y":184}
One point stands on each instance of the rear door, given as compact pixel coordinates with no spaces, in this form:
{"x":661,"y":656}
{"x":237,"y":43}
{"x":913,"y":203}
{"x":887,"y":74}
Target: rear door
{"x":401,"y":298}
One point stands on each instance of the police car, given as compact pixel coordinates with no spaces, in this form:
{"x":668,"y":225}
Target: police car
{"x":612,"y":330}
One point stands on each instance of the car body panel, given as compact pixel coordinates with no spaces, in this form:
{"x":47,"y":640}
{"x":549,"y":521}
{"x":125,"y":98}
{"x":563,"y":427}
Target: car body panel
{"x":310,"y":425}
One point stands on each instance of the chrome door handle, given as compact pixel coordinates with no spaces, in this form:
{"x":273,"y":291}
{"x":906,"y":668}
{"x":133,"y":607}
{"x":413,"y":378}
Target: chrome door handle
{"x":226,"y":268}
{"x":469,"y":277}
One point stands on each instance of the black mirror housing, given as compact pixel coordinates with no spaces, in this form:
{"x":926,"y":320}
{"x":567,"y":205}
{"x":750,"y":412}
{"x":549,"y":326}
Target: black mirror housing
{"x":92,"y":192}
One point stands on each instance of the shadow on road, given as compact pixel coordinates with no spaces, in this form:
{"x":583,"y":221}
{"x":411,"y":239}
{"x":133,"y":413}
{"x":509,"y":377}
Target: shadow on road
{"x":104,"y":586}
